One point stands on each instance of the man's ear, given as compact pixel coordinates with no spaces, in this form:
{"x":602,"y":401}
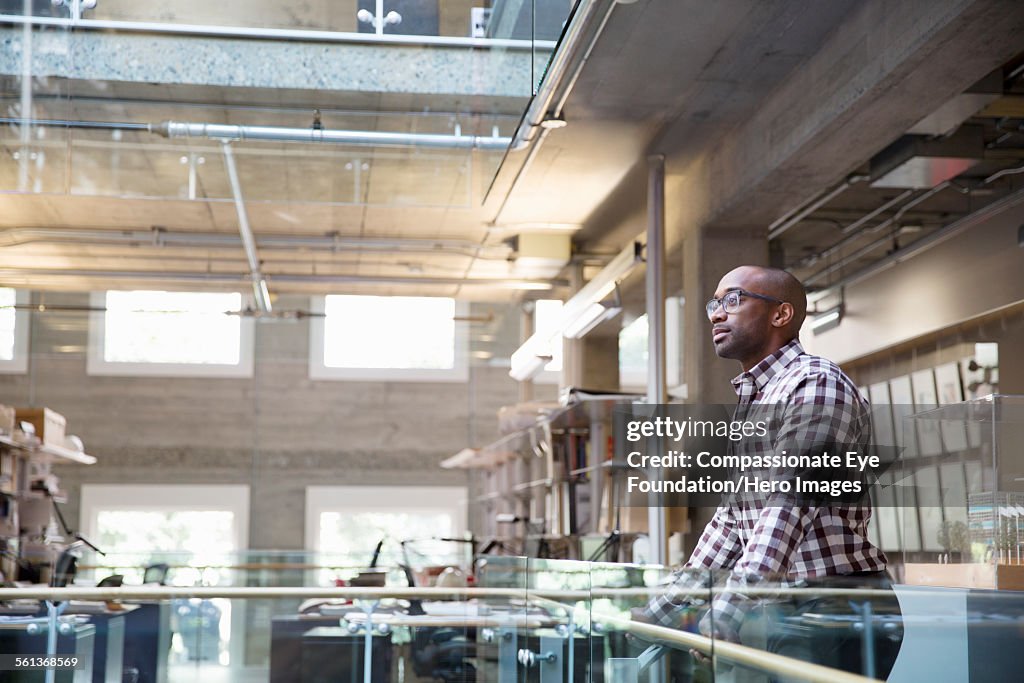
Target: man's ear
{"x":783,"y":315}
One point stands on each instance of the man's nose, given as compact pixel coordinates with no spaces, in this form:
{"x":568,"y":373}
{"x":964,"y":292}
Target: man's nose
{"x":719,"y":313}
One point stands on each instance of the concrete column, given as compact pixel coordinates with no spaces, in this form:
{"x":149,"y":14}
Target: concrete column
{"x":600,"y":362}
{"x":572,"y":349}
{"x":708,"y":254}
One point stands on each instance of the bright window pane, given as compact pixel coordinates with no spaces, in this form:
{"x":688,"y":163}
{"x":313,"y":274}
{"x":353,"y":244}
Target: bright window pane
{"x":633,"y":347}
{"x":545,"y":321}
{"x":396,"y":332}
{"x":172,"y":327}
{"x":7,"y":317}
{"x":198,"y":538}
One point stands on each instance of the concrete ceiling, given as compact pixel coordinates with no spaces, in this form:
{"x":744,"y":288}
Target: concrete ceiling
{"x":758,"y":107}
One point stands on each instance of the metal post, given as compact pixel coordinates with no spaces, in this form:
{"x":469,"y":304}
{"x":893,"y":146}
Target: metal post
{"x":52,"y":612}
{"x":25,"y":126}
{"x":507,"y":655}
{"x":368,"y":608}
{"x":657,"y":392}
{"x":259,"y":285}
{"x":868,"y":642}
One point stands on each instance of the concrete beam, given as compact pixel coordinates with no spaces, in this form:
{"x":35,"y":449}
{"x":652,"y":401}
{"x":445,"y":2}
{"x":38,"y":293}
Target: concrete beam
{"x":229,"y":62}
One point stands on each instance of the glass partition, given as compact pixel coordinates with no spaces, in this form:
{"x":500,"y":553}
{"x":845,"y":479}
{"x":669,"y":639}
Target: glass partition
{"x":508,"y":19}
{"x":87,"y":105}
{"x":963,"y":465}
{"x":524,"y":620}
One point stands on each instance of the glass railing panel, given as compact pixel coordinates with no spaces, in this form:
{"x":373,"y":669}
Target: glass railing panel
{"x":827,"y":625}
{"x":508,"y":616}
{"x":558,"y":647}
{"x":969,"y":492}
{"x":187,"y":635}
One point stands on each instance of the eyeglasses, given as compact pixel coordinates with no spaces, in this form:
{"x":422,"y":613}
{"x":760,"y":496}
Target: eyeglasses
{"x":731,"y":301}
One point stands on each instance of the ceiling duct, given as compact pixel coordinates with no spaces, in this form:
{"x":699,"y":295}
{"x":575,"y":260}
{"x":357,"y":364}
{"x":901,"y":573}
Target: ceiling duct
{"x":921,"y":162}
{"x":947,"y":118}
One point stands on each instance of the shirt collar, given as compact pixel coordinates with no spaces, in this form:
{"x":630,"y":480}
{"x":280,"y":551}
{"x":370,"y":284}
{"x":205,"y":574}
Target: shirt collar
{"x":775,"y":362}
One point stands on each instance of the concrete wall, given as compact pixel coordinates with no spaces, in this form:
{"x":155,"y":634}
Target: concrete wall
{"x":277,"y":432}
{"x":977,"y":272}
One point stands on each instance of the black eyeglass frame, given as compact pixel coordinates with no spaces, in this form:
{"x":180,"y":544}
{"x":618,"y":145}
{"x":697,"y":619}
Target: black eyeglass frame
{"x":712,"y":305}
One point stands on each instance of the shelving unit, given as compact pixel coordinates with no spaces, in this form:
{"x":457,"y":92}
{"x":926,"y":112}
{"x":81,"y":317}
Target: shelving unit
{"x":543,"y":488}
{"x":27,"y":494}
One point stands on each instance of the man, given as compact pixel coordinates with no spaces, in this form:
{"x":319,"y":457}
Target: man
{"x":755,"y":317}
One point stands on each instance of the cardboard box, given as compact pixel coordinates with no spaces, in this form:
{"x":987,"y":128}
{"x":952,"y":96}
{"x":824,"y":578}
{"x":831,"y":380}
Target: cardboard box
{"x":49,"y":424}
{"x":1001,"y":576}
{"x":7,"y":420}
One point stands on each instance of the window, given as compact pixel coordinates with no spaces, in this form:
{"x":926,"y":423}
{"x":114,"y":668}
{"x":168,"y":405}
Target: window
{"x":14,"y":326}
{"x":198,"y":530}
{"x":184,"y":334}
{"x":387,"y":338}
{"x":633,"y":351}
{"x":546,"y":318}
{"x":345,"y":523}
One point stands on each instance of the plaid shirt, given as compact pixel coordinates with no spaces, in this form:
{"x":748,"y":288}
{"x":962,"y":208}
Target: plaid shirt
{"x":771,"y":538}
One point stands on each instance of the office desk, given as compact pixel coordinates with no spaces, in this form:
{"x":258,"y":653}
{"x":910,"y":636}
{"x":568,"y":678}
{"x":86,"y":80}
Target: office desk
{"x":310,"y":648}
{"x":147,"y":640}
{"x":80,"y":642}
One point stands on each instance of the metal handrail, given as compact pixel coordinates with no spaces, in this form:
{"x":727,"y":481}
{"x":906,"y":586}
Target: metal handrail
{"x":740,"y":654}
{"x":276,"y":33}
{"x":734,"y":652}
{"x":421,"y":593}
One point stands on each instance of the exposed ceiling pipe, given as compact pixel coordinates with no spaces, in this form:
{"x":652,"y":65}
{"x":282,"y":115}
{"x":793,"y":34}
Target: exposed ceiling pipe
{"x":7,"y":272}
{"x":218,"y":131}
{"x":852,"y":237}
{"x":259,"y":284}
{"x":159,"y":237}
{"x":798,"y":214}
{"x":933,"y":239}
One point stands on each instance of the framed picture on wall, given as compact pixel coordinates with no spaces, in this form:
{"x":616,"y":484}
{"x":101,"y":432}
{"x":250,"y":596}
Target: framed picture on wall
{"x":950,"y":391}
{"x":882,"y":429}
{"x":925,"y":398}
{"x":902,"y":407}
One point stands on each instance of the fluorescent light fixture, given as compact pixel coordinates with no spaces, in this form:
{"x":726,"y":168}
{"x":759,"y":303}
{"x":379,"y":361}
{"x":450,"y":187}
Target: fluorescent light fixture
{"x":580,"y":314}
{"x":528,"y":360}
{"x":592,"y":316}
{"x":526,"y":285}
{"x":827,"y":320}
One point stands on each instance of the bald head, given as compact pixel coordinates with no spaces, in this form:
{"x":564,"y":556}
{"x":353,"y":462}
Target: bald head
{"x":782,"y":285}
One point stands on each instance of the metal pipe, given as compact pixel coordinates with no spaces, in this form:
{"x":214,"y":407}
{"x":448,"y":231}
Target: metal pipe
{"x":937,"y":237}
{"x":221,"y":132}
{"x":849,"y":239}
{"x":795,"y":216}
{"x":259,"y":285}
{"x":24,"y":127}
{"x":869,"y":216}
{"x":217,"y":131}
{"x":657,"y":391}
{"x":278,"y":33}
{"x":206,"y":240}
{"x":298,"y":278}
